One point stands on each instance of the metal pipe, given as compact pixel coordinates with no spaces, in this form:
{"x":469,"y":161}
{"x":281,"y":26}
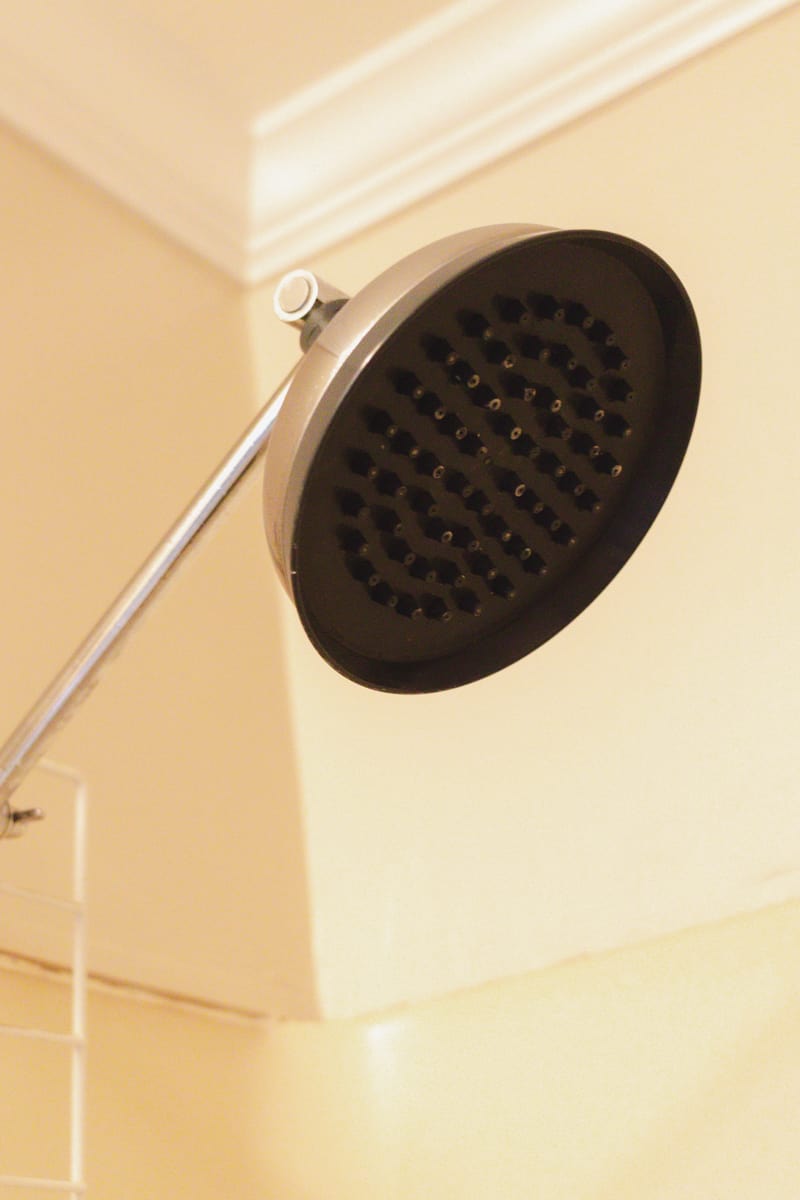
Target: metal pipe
{"x":70,"y":686}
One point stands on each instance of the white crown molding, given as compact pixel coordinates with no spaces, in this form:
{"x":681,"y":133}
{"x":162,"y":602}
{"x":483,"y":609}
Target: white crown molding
{"x":258,"y":192}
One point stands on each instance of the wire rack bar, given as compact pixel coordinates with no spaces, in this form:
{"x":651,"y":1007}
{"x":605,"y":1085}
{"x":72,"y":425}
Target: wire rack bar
{"x":26,"y":1182}
{"x":37,"y":1035}
{"x":75,"y":1186}
{"x":11,"y":889}
{"x":80,"y":972}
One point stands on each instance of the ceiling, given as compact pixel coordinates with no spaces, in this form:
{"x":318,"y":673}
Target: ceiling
{"x":255,"y":54}
{"x":258,"y":134}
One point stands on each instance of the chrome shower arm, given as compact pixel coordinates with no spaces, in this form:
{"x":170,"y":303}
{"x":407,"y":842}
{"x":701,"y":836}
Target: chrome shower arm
{"x":70,"y":686}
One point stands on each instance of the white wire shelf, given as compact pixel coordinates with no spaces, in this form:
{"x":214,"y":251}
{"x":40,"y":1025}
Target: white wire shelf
{"x":75,"y":1039}
{"x":19,"y":893}
{"x":39,"y":1035}
{"x":28,"y":1183}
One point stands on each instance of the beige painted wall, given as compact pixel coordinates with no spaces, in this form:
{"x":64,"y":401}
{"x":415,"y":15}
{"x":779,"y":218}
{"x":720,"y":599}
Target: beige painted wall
{"x":662,"y":1072}
{"x":639,"y":772}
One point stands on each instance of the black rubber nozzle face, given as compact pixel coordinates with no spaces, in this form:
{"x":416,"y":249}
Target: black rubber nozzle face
{"x":497,"y":462}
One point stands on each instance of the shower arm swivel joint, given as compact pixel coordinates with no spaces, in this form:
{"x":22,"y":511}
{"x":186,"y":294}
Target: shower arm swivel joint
{"x":308,"y":303}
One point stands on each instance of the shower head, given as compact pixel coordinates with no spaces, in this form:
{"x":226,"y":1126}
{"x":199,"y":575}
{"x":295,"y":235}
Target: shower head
{"x":474,"y":445}
{"x":468,"y":453}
